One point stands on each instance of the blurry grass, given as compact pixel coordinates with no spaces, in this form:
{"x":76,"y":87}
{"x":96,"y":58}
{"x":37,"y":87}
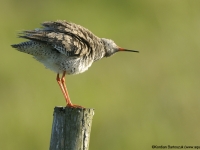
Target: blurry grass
{"x":139,"y":99}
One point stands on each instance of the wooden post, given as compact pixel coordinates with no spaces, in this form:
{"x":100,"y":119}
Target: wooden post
{"x":71,"y":128}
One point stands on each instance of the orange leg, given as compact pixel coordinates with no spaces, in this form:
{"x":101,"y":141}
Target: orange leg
{"x":63,"y":87}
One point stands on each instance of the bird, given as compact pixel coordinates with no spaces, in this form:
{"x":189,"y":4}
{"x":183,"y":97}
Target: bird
{"x":66,"y":48}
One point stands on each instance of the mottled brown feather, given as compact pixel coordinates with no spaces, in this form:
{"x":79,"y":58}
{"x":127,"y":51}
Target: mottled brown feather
{"x":68,"y":38}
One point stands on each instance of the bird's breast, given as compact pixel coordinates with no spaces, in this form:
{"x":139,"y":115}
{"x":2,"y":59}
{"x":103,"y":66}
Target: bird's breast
{"x":76,"y":66}
{"x":61,"y":63}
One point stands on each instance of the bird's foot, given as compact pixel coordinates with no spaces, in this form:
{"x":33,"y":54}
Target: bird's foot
{"x":74,"y":106}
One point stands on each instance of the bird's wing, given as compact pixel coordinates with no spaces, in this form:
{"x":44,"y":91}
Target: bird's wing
{"x":67,"y":38}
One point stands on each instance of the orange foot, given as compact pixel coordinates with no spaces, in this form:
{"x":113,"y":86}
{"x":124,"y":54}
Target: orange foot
{"x":74,"y":106}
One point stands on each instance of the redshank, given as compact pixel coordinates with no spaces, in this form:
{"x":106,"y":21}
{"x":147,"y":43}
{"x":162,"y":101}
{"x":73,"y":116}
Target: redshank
{"x":66,"y":48}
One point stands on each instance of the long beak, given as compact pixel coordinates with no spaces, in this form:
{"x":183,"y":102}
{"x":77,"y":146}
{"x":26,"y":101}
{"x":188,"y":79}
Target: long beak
{"x":127,"y":50}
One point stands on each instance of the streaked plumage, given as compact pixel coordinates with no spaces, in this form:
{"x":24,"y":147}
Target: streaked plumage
{"x":66,"y":48}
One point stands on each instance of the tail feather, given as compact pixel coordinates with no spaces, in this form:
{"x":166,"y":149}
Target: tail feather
{"x":30,"y":47}
{"x":15,"y":45}
{"x":23,"y":45}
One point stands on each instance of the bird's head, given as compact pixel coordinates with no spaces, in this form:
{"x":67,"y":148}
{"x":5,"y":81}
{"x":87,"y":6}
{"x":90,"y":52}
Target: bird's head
{"x":111,"y":48}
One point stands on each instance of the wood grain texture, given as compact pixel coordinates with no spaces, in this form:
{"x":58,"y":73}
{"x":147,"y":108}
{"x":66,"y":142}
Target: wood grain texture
{"x":71,"y":128}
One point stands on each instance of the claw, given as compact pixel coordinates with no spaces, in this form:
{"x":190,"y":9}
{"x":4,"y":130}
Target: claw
{"x":74,"y":106}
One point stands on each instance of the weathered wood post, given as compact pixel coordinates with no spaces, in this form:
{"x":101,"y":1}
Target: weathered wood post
{"x":71,"y":128}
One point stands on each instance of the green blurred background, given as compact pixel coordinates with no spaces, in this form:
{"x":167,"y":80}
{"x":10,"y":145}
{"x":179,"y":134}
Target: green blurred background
{"x":140,"y":100}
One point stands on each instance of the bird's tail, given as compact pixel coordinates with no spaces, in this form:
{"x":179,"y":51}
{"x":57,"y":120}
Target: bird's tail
{"x":30,"y":47}
{"x":26,"y":47}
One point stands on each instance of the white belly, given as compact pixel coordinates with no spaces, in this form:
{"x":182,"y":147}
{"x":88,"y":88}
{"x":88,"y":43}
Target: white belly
{"x":62,"y":63}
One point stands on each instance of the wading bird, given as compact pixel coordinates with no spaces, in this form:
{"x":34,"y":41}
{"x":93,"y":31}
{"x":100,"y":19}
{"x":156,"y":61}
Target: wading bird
{"x":66,"y":48}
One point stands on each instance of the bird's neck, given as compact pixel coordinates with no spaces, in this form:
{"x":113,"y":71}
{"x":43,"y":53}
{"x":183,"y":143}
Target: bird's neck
{"x":99,"y":50}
